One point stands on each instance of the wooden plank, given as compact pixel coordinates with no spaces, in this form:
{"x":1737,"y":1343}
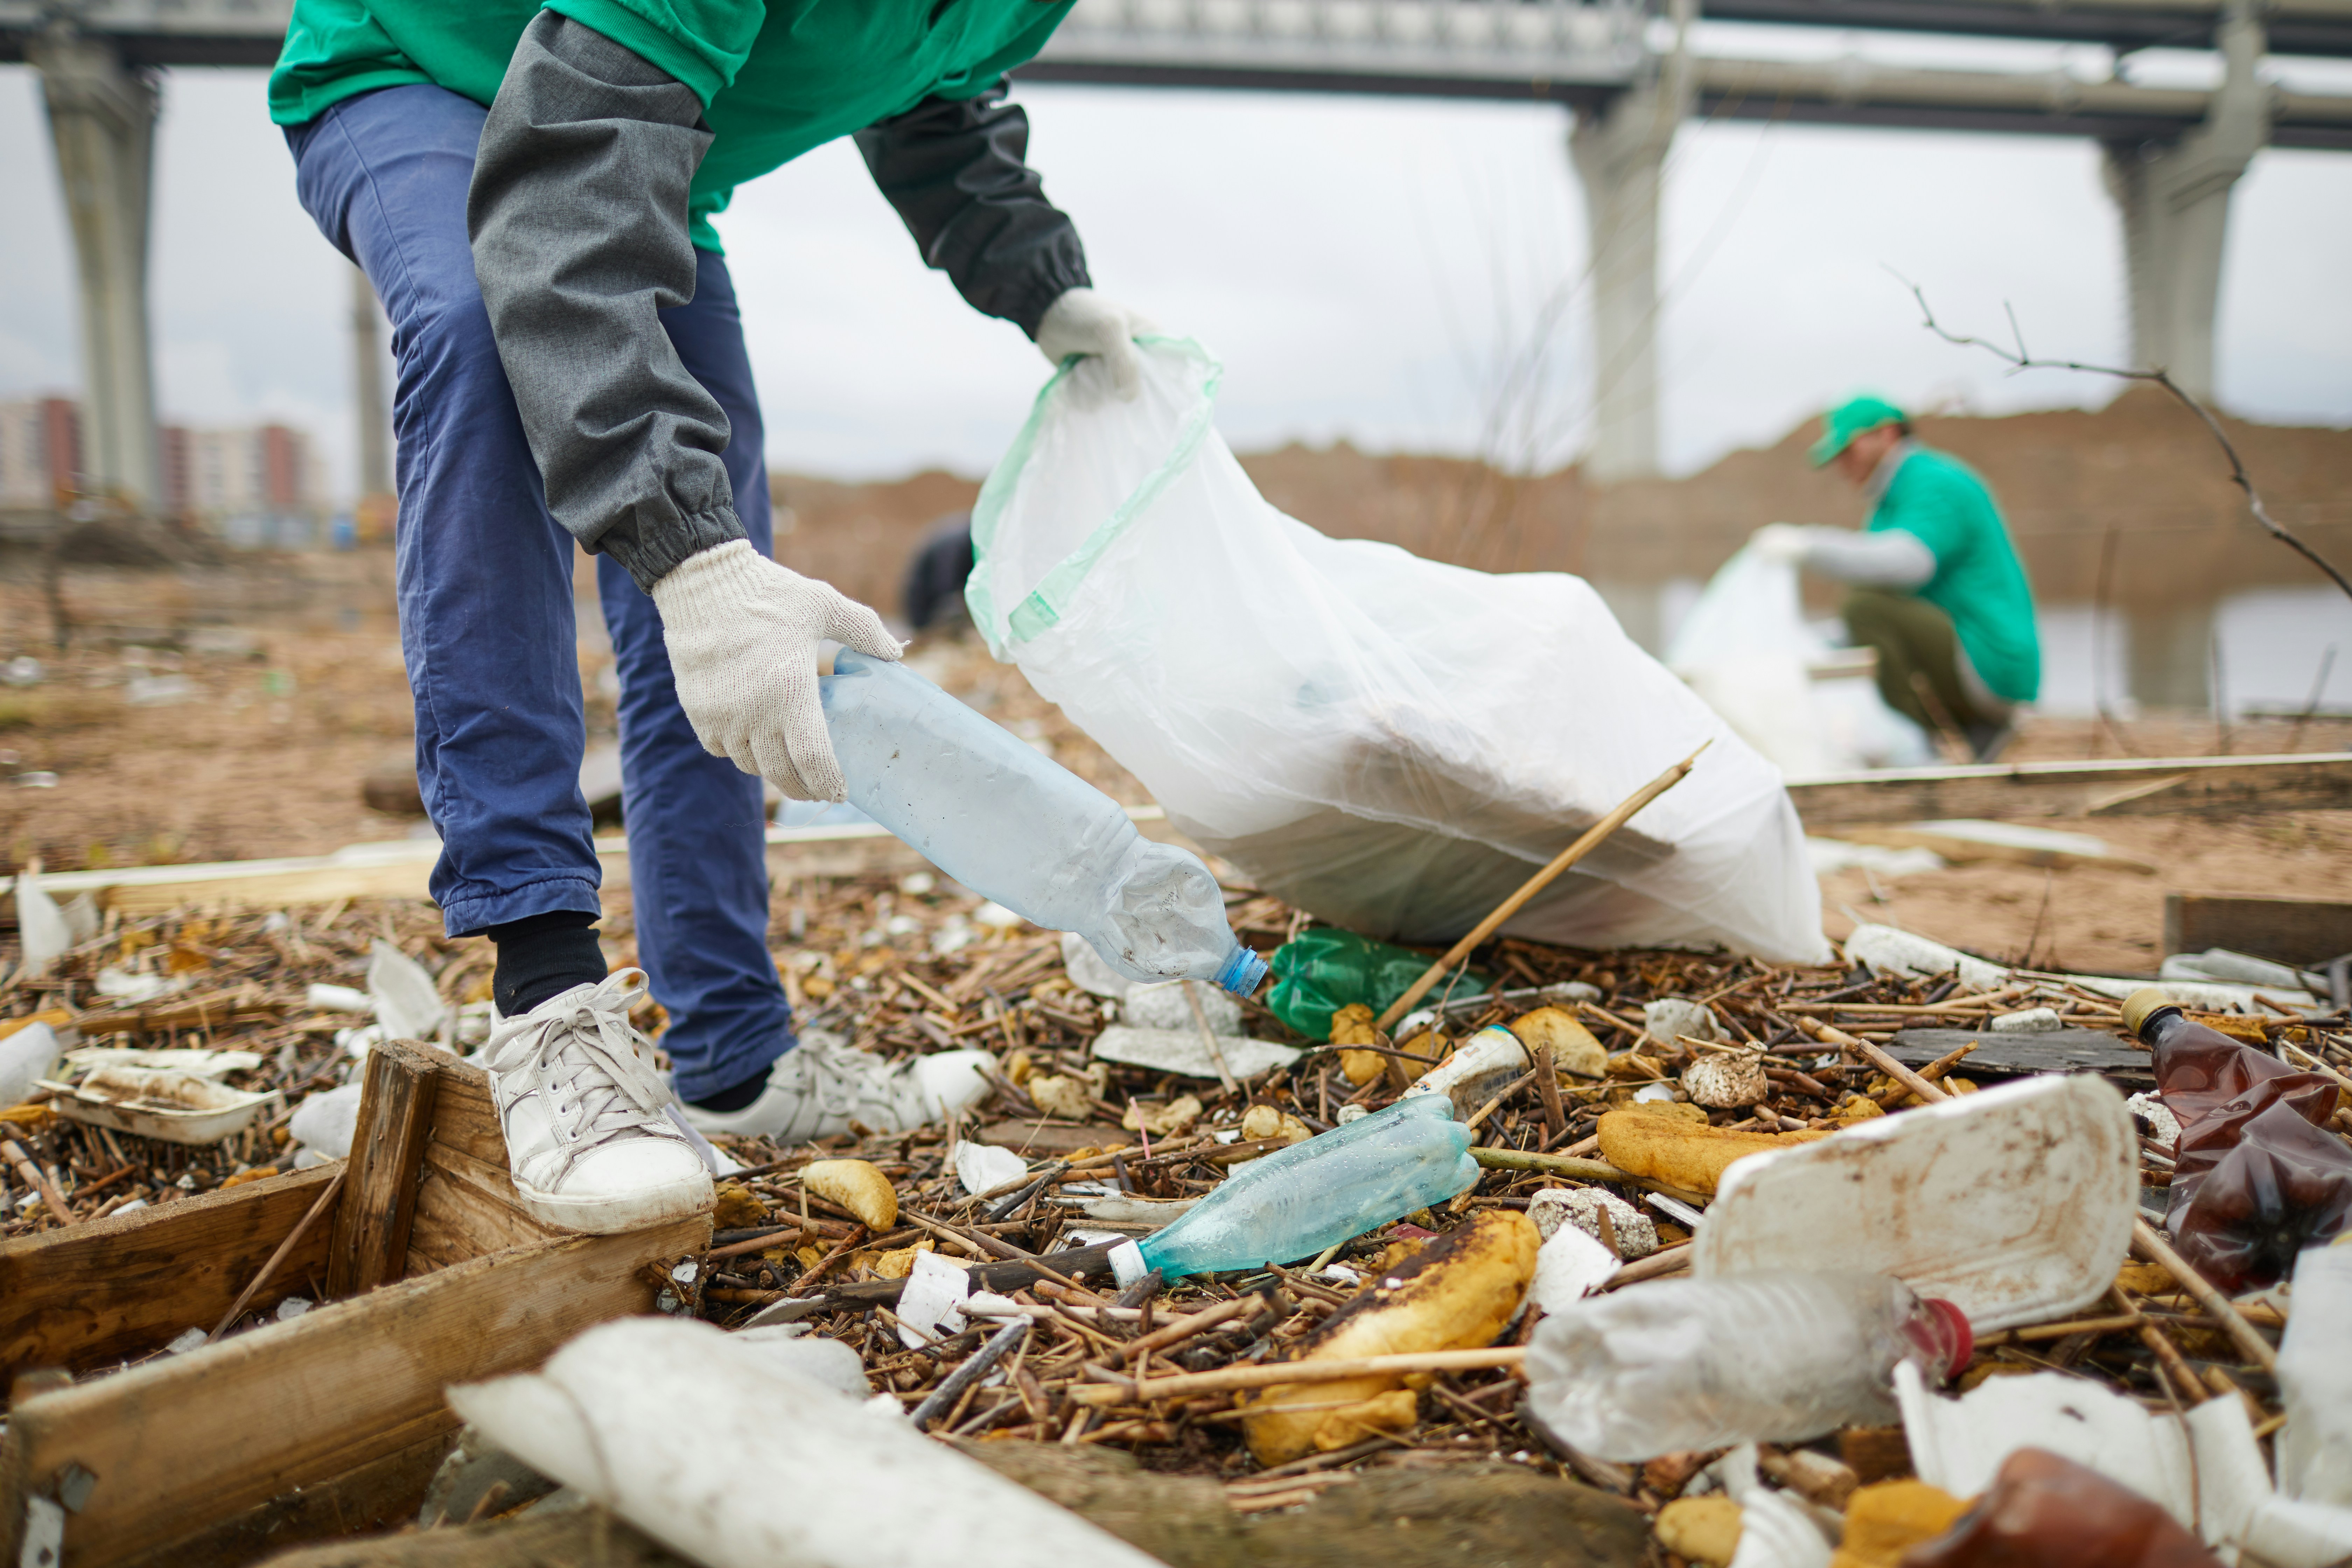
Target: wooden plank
{"x":92,"y":1294}
{"x":2012,"y":1055}
{"x":2232,"y":787}
{"x":383,"y":1494}
{"x":466,"y":1199}
{"x":187,"y":1442}
{"x":2307,"y":931}
{"x":379,"y":1204}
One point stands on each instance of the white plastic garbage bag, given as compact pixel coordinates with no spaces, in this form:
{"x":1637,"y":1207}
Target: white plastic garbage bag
{"x":1389,"y":742}
{"x":1745,"y":647}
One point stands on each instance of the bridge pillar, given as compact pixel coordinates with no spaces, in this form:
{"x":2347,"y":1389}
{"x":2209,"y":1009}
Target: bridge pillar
{"x":1619,"y":153}
{"x":2174,"y":204}
{"x":102,"y":122}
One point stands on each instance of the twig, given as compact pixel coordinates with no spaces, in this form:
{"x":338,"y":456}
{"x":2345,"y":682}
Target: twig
{"x":302,"y":1227}
{"x":30,"y":1174}
{"x":2158,"y":1251}
{"x":2019,"y":358}
{"x":1208,"y":1038}
{"x":1227,"y":1380}
{"x":974,"y":1368}
{"x":1588,"y":842}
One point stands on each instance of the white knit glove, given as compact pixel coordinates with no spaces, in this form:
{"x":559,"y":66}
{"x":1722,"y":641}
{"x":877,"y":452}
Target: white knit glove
{"x":1083,"y":323}
{"x":742,"y":634}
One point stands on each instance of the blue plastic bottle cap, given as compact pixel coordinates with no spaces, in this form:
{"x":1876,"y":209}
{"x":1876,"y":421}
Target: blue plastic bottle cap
{"x":1243,"y":973}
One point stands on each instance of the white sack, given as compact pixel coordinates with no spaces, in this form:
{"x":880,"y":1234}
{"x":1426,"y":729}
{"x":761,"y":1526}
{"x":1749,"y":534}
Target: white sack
{"x":1389,"y":742}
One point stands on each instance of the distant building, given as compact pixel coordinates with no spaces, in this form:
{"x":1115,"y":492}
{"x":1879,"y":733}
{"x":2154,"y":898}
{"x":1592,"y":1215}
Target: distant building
{"x":257,"y":487}
{"x":40,"y":454}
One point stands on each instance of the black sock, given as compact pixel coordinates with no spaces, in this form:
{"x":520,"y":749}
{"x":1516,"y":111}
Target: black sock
{"x":541,"y":956}
{"x":735,"y":1096}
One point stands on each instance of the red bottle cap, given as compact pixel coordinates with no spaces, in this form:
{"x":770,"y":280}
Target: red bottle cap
{"x":1959,"y":1346}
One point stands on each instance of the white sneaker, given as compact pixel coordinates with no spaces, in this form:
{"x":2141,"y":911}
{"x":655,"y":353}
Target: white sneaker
{"x":822,"y":1085}
{"x":589,"y":1137}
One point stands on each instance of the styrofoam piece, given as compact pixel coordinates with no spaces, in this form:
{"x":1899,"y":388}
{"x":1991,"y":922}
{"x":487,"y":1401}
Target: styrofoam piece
{"x":328,"y":1121}
{"x":1960,"y":1443}
{"x":932,"y":1302}
{"x":133,"y":988}
{"x":204,"y":1064}
{"x":337,"y":998}
{"x":1669,"y":1018}
{"x":2026,"y":1021}
{"x":983,"y":1167}
{"x":2315,"y":1371}
{"x":1485,"y":1062}
{"x":26,"y":1056}
{"x":683,"y":1432}
{"x":2162,"y":1125}
{"x":1181,"y":1051}
{"x":1569,"y":1265}
{"x":1775,"y":1529}
{"x":82,"y":918}
{"x":176,"y":1107}
{"x":1830,"y":855}
{"x":41,"y":927}
{"x":2236,"y":1506}
{"x":407,"y":1004}
{"x":1164,"y":1006}
{"x":1888,"y":951}
{"x":2014,"y":1203}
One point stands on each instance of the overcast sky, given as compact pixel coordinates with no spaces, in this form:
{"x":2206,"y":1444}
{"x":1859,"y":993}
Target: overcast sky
{"x":1362,"y":266}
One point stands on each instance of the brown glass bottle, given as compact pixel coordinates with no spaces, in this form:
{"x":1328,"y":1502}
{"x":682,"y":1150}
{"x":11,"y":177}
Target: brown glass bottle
{"x":2258,"y":1177}
{"x":2045,"y":1511}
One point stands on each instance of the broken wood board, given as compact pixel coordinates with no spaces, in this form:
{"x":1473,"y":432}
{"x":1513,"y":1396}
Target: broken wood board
{"x":109,"y":1289}
{"x":2216,"y":786}
{"x":465,"y":1205}
{"x":2057,"y":1050}
{"x":183,"y":1444}
{"x":379,"y":1204}
{"x":2306,"y":933}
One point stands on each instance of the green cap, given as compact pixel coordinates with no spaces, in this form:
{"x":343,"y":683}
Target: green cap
{"x":1840,"y":425}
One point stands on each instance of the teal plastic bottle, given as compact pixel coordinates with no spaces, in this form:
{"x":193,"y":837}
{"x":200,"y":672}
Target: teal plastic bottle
{"x":1295,"y":1202}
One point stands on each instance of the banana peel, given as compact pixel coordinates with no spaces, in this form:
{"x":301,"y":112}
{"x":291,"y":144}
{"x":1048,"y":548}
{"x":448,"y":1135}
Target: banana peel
{"x":1458,"y":1292}
{"x":1684,"y":1154}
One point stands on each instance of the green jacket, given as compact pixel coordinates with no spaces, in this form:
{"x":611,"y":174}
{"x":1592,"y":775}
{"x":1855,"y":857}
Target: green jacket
{"x":1978,"y":580}
{"x":775,"y":79}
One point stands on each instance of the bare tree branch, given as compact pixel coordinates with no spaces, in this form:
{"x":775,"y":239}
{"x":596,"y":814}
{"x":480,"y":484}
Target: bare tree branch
{"x":2019,"y":359}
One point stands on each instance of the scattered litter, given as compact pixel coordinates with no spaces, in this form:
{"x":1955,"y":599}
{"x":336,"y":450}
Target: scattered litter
{"x":131,"y":988}
{"x":1960,"y":1443}
{"x":2238,"y":968}
{"x":931,"y":1306}
{"x":858,"y":1186}
{"x":1673,"y":1018}
{"x":197,"y":1063}
{"x":337,"y":998}
{"x":1569,"y":1267}
{"x":2015,"y":1203}
{"x":1830,"y":855}
{"x":292,"y":1308}
{"x":41,"y":926}
{"x":22,"y":670}
{"x":407,"y":1007}
{"x":27,"y":1056}
{"x":983,"y":1167}
{"x":1728,"y":1081}
{"x":2315,"y":1450}
{"x":158,"y":690}
{"x":176,"y":1107}
{"x":1635,"y":1235}
{"x":2026,"y":1021}
{"x":1182,"y":1052}
{"x":326,"y":1122}
{"x":1705,"y":1363}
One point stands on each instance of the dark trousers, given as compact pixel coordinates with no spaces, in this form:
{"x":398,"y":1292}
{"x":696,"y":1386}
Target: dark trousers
{"x":1916,"y":648}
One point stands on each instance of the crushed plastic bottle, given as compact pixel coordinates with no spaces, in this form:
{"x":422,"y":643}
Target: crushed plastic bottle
{"x":986,"y":808}
{"x":1707,"y":1363}
{"x":1297,"y":1201}
{"x":2258,"y":1177}
{"x":1319,"y":971}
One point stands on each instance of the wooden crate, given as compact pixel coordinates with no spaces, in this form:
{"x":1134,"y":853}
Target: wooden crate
{"x":428,"y":1274}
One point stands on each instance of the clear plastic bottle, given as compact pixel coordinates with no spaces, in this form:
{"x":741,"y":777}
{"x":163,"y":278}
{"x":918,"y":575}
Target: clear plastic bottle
{"x":1294,"y":1202}
{"x":1707,"y":1363}
{"x":985,"y":807}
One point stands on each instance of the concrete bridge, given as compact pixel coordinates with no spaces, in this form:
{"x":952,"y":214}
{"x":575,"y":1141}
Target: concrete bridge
{"x":1628,"y":76}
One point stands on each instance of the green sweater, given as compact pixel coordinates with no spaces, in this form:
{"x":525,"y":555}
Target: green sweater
{"x":774,"y":80}
{"x":1979,"y":580}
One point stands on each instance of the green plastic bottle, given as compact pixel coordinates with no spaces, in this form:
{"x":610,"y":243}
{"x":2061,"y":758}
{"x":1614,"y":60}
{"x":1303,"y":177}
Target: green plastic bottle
{"x":1324,"y":969}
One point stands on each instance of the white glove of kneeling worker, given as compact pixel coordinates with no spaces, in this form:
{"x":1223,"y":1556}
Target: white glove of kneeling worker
{"x":742,"y":634}
{"x":1081,"y":321}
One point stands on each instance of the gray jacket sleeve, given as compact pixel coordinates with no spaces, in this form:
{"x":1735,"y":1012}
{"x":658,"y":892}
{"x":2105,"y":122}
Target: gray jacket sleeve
{"x":578,"y":218}
{"x":954,"y":170}
{"x":1891,"y":558}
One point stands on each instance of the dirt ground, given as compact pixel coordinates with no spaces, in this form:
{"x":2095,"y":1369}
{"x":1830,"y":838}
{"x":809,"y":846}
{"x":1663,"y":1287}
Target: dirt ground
{"x":233,"y":713}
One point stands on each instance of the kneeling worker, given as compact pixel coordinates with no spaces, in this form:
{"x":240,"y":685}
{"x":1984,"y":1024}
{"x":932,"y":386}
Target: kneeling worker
{"x":1937,"y":588}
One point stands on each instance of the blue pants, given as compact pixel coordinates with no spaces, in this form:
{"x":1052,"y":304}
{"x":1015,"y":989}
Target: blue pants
{"x":486,"y":617}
